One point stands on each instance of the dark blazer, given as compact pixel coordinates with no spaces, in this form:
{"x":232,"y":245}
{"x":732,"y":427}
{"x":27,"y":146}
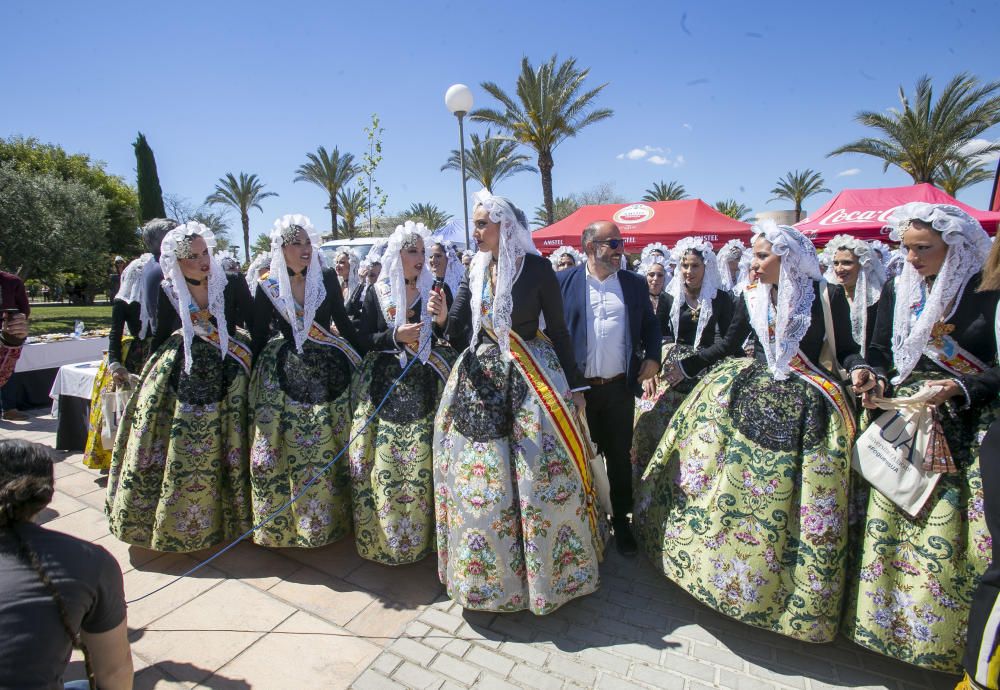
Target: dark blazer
{"x":642,"y":336}
{"x":534,"y":292}
{"x":266,"y":317}
{"x":973,"y":321}
{"x":664,"y":302}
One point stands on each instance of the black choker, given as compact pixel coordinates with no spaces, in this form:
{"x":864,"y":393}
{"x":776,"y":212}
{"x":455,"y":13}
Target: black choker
{"x":292,"y":274}
{"x":192,"y":281}
{"x":655,"y":294}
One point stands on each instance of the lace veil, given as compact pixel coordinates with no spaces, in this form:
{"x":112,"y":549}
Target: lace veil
{"x":709,"y":287}
{"x":793,"y":308}
{"x":132,"y":289}
{"x":871,"y":278}
{"x":577,"y":257}
{"x":393,"y":284}
{"x":282,"y":232}
{"x":515,"y":242}
{"x":917,"y":311}
{"x":353,"y":275}
{"x":731,"y":250}
{"x":177,"y":245}
{"x":260,"y":261}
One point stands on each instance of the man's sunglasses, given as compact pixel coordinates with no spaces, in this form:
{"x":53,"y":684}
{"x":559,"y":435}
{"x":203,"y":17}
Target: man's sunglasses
{"x":613,"y":243}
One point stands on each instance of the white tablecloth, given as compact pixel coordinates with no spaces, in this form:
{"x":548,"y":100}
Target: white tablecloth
{"x":76,"y":380}
{"x":51,"y":355}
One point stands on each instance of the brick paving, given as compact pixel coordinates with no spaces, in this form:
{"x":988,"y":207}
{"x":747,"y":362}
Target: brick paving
{"x":325,"y":618}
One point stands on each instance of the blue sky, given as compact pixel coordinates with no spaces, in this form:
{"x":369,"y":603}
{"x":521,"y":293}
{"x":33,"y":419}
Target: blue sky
{"x":727,"y":96}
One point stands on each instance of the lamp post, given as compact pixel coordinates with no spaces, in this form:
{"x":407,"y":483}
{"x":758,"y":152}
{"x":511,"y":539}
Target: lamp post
{"x":458,"y":98}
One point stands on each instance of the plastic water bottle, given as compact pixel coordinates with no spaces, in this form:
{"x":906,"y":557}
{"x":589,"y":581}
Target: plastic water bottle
{"x":78,"y":329}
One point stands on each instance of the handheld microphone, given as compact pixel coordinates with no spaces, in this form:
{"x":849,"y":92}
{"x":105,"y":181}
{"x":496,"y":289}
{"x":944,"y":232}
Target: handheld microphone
{"x":438,"y":284}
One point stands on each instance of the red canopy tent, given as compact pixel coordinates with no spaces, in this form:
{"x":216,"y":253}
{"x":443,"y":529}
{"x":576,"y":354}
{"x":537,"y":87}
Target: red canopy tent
{"x":864,"y":212}
{"x":646,"y":222}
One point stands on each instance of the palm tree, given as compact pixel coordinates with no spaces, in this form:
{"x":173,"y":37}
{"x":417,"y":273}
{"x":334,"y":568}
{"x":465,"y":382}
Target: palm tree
{"x":733,"y":209}
{"x":353,"y":205}
{"x":797,"y":187}
{"x":925,"y":135}
{"x":331,"y":171}
{"x":962,"y":173}
{"x":562,"y":207}
{"x":548,"y":109}
{"x":242,"y":194}
{"x":428,"y":214}
{"x":490,"y":160}
{"x":670,"y":191}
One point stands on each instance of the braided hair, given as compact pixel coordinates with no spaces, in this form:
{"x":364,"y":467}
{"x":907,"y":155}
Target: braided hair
{"x":26,"y":486}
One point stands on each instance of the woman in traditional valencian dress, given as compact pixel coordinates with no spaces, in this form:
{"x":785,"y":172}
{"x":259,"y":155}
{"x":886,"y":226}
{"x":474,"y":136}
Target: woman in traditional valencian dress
{"x":916,"y":576}
{"x":346,"y":264}
{"x":729,"y":260}
{"x":300,"y":393}
{"x":517,"y":522}
{"x":699,"y":314}
{"x":179,"y":479}
{"x":855,"y":266}
{"x":126,"y":355}
{"x":744,"y":504}
{"x":390,"y":457}
{"x":446,"y":267}
{"x":565,"y":258}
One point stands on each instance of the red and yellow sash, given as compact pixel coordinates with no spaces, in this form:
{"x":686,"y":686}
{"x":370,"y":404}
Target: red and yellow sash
{"x":317,"y":333}
{"x":808,"y":372}
{"x":206,"y":330}
{"x":945,"y":351}
{"x":555,"y":408}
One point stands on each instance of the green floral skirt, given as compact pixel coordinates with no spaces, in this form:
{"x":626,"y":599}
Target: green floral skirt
{"x":179,"y":479}
{"x":300,"y":412}
{"x":392,"y":477}
{"x":134,"y":352}
{"x":744,"y":504}
{"x":911,"y":590}
{"x":653,"y":413}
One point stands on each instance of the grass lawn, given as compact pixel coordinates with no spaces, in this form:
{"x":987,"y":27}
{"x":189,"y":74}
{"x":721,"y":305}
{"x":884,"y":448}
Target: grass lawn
{"x":45,"y":319}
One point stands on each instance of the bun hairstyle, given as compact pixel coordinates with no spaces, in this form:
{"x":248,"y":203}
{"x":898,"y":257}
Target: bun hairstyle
{"x":26,"y":486}
{"x":26,"y":481}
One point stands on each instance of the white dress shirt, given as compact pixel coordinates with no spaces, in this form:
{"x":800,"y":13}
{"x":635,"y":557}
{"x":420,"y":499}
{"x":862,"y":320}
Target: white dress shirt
{"x":606,"y":324}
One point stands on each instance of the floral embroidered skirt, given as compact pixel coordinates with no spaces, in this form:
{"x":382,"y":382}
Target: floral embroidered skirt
{"x":652,"y":414}
{"x":744,"y":504}
{"x":392,"y":482}
{"x":179,"y":476}
{"x":911,"y":590}
{"x":300,"y":419}
{"x":512,"y":525}
{"x":134,"y":352}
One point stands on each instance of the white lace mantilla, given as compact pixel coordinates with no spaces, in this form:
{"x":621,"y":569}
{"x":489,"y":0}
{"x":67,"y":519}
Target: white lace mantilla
{"x":284,"y":231}
{"x":709,"y":285}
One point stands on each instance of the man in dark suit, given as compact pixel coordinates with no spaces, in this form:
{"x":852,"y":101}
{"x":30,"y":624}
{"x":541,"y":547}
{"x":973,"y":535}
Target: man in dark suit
{"x":616,"y":340}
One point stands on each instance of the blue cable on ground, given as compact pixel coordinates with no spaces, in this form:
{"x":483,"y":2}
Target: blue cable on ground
{"x":290,"y":501}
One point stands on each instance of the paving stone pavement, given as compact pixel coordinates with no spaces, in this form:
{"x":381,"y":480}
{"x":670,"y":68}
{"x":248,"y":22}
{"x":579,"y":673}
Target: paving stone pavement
{"x":325,"y":618}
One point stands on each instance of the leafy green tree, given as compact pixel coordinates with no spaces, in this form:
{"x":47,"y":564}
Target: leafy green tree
{"x":375,"y":196}
{"x":242,"y":194}
{"x":490,"y":160}
{"x":122,"y":208}
{"x":962,"y":173}
{"x":549,"y":107}
{"x":797,"y":186}
{"x":665,"y":191}
{"x":353,"y":206}
{"x":147,"y":181}
{"x":428,"y":214}
{"x":330,"y":171}
{"x":562,"y":207}
{"x":733,"y":209}
{"x":52,"y":225}
{"x":260,"y":245}
{"x":926,"y":135}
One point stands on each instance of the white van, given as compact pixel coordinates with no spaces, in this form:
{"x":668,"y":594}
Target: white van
{"x":359,"y":246}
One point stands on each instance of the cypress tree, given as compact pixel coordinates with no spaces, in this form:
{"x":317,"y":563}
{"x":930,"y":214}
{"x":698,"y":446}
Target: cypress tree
{"x":150,"y":194}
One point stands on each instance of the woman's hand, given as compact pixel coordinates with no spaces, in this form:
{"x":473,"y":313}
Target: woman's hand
{"x":580,"y":401}
{"x":868,"y":386}
{"x":436,"y":305}
{"x":408,"y":333}
{"x":15,"y":326}
{"x":946,"y":390}
{"x":120,"y":376}
{"x":649,"y":388}
{"x":673,"y":374}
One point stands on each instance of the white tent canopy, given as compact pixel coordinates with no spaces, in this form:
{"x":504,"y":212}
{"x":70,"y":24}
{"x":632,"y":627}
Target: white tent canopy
{"x":454,"y":231}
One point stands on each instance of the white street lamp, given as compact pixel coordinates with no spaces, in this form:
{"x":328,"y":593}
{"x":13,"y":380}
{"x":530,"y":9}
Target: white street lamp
{"x":458,"y":98}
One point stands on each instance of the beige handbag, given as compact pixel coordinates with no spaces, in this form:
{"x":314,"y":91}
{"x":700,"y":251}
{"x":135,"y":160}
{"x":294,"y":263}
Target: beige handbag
{"x":903,"y":453}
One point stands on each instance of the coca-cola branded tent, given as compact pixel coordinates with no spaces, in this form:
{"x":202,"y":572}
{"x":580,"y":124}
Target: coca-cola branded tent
{"x":865,"y":212}
{"x":646,"y":222}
